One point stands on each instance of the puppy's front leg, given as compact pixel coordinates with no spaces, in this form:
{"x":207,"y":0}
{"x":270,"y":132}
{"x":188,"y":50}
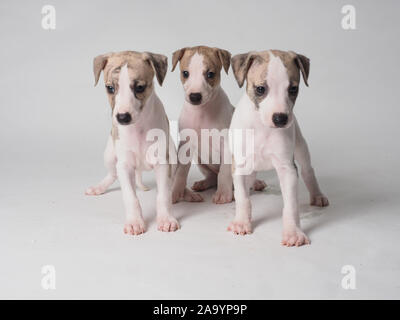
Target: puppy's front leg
{"x":241,"y":223}
{"x":134,"y":219}
{"x":224,"y":193}
{"x":179,"y":189}
{"x":166,"y":222}
{"x":292,"y":234}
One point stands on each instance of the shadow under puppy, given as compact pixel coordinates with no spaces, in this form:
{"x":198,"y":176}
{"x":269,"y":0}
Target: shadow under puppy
{"x":136,"y":109}
{"x":266,"y":107}
{"x":206,"y":106}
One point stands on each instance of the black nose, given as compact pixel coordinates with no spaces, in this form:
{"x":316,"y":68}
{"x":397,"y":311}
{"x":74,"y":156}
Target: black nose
{"x":195,"y":98}
{"x":124,"y":118}
{"x":280,"y":119}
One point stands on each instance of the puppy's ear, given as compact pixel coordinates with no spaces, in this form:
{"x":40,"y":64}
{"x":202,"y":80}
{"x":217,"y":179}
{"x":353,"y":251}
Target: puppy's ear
{"x":303,"y":63}
{"x":159,"y":63}
{"x":241,"y":64}
{"x":225,"y":57}
{"x":177,"y":56}
{"x":99,"y":64}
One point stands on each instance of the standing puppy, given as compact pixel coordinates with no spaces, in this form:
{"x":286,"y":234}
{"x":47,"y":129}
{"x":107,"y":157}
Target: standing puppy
{"x":267,"y":107}
{"x":206,"y":106}
{"x":136,"y":109}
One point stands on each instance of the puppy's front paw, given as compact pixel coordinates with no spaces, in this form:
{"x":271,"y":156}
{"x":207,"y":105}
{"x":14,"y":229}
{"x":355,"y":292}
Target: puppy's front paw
{"x":95,"y":191}
{"x":259,"y":185}
{"x":319,"y":200}
{"x":240,"y":227}
{"x":167,"y":224}
{"x":294,"y":237}
{"x":135,"y":227}
{"x":221,"y":197}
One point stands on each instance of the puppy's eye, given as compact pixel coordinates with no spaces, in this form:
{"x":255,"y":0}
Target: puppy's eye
{"x":260,"y":90}
{"x":185,"y":74}
{"x":110,"y":89}
{"x":293,"y":90}
{"x":139,"y":88}
{"x":210,"y":74}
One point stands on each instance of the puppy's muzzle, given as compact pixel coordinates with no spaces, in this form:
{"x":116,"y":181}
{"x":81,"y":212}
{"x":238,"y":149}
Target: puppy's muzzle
{"x":124,"y":118}
{"x":280,"y":119}
{"x":195,"y":98}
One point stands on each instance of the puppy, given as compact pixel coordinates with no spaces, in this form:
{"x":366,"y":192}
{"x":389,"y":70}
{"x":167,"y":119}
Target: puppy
{"x":136,"y":109}
{"x":206,"y":106}
{"x":267,"y":107}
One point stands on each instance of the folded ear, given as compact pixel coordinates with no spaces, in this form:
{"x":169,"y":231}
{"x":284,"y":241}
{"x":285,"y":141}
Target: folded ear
{"x":99,"y":64}
{"x":225,"y":57}
{"x":303,"y":63}
{"x":241,"y":64}
{"x":159,"y":63}
{"x":177,"y":56}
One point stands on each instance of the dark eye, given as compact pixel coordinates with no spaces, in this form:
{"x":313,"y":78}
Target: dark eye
{"x":139,"y":88}
{"x":293,"y":90}
{"x":110,"y":89}
{"x":210,"y":74}
{"x":260,"y":90}
{"x":185,"y":74}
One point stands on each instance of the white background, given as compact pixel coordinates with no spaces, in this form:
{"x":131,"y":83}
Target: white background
{"x":54,"y":125}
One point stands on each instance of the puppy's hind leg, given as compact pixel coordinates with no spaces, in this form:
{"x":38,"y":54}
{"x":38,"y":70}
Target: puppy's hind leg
{"x":110,"y":161}
{"x":210,"y":180}
{"x":259,"y":185}
{"x":302,"y":155}
{"x":139,"y":182}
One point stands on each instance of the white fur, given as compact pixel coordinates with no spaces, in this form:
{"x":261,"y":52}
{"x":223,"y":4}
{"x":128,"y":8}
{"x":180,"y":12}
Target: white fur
{"x":277,"y":100}
{"x":274,"y":148}
{"x":215,"y":112}
{"x":196,"y":82}
{"x":126,"y":158}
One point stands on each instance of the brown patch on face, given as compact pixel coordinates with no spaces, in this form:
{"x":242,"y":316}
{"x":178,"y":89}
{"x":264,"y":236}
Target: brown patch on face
{"x":214,"y":60}
{"x":241,"y":64}
{"x":141,"y":68}
{"x":253,"y":66}
{"x":256,"y":78}
{"x":294,"y":64}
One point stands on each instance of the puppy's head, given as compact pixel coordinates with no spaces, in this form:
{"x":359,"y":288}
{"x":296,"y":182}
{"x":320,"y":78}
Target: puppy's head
{"x":201,"y":71}
{"x":128,"y":78}
{"x":273,"y":79}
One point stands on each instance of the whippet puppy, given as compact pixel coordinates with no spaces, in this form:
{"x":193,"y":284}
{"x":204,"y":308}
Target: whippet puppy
{"x":206,"y":106}
{"x":136,"y":109}
{"x":273,"y":79}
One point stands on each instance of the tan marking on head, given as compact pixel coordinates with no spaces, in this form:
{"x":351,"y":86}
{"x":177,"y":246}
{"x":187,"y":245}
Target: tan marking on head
{"x":213,"y":59}
{"x":253,"y":66}
{"x":142,"y":67}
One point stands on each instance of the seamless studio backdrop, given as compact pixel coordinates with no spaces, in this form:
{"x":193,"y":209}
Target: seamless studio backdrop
{"x":54,"y":126}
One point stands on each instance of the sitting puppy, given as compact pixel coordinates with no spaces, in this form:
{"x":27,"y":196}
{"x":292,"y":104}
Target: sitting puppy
{"x":267,"y":107}
{"x":136,"y":109}
{"x":206,"y":106}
